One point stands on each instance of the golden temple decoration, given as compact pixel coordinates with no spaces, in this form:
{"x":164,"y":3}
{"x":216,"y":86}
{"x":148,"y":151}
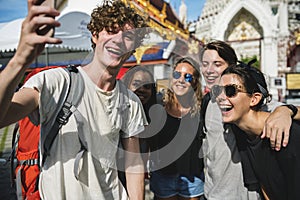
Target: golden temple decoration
{"x":297,"y":36}
{"x":193,"y":47}
{"x":139,"y":52}
{"x":158,"y":19}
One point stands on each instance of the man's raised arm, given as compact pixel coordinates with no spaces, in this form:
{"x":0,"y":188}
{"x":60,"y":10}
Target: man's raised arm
{"x":30,"y":46}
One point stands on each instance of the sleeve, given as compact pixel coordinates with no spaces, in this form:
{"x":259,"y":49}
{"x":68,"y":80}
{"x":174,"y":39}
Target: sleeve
{"x":270,"y":107}
{"x":137,"y":120}
{"x":51,"y":85}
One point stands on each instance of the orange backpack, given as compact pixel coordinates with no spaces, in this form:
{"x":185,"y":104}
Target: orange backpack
{"x":26,"y":148}
{"x":27,"y":152}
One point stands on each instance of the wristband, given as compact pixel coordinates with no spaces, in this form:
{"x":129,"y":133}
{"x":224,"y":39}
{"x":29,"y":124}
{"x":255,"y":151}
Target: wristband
{"x":293,"y":108}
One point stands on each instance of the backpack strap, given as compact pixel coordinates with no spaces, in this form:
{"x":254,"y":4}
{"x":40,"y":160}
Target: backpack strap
{"x":23,"y":163}
{"x":11,"y":158}
{"x":124,"y":101}
{"x":204,"y":104}
{"x":73,"y":97}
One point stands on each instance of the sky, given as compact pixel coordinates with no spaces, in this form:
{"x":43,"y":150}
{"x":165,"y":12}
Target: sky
{"x":14,"y":9}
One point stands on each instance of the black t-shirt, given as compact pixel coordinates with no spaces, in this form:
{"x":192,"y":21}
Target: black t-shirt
{"x":277,"y":171}
{"x":178,"y":141}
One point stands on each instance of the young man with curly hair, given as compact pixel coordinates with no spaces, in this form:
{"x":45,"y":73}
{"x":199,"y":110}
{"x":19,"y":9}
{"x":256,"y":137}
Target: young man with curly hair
{"x":116,"y":31}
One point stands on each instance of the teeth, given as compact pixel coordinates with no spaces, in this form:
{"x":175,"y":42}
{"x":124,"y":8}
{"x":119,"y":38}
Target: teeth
{"x":210,"y":78}
{"x":225,"y":107}
{"x":180,"y":86}
{"x":114,"y":51}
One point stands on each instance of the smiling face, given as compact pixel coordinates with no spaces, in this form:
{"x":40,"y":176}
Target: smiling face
{"x":235,"y":106}
{"x":141,"y":85}
{"x":212,"y":67}
{"x":113,"y":48}
{"x":183,"y":78}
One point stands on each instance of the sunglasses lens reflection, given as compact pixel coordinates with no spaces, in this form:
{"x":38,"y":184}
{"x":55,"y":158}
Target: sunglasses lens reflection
{"x":176,"y":74}
{"x":187,"y":77}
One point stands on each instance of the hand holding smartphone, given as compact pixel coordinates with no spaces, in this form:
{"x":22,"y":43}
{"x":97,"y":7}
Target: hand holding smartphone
{"x":43,"y":30}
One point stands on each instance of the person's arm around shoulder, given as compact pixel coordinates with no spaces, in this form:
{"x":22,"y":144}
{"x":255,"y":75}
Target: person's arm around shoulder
{"x":134,"y":168}
{"x":30,"y":46}
{"x":278,"y":125}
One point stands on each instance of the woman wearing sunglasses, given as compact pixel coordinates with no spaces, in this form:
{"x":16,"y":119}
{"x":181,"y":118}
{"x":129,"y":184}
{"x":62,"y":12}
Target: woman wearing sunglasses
{"x":241,"y":95}
{"x":176,"y":169}
{"x":219,"y":146}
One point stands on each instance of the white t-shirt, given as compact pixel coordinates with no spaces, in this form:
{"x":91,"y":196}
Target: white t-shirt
{"x":102,"y":125}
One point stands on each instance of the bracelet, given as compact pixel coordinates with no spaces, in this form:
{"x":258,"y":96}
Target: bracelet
{"x":293,"y":108}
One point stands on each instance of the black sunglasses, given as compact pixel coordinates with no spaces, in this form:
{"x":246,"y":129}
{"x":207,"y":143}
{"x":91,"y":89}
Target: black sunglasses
{"x":230,"y":90}
{"x":187,"y":77}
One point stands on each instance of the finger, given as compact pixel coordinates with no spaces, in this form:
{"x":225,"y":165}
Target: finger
{"x":49,"y":40}
{"x":268,"y":131}
{"x":263,"y":135}
{"x":286,"y":137}
{"x":278,"y":140}
{"x":273,"y":137}
{"x":30,"y":3}
{"x":40,"y":21}
{"x":44,"y":11}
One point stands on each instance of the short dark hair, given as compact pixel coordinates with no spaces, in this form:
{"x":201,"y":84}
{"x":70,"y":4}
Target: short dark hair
{"x":225,"y":51}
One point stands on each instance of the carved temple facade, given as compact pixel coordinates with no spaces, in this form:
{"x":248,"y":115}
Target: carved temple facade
{"x":264,"y":29}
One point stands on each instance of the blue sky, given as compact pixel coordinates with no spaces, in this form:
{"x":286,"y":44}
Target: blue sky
{"x":14,"y":9}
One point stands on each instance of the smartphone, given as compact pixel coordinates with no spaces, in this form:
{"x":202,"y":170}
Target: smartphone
{"x":43,"y":30}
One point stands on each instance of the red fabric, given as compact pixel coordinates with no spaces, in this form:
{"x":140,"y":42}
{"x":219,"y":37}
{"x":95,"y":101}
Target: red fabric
{"x":206,"y":90}
{"x":121,"y":73}
{"x":37,"y":70}
{"x":28,"y":148}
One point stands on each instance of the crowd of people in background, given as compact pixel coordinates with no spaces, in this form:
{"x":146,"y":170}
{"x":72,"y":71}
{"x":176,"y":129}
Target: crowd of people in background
{"x":238,"y":149}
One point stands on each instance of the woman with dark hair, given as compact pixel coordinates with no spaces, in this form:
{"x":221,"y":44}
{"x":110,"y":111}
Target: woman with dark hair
{"x":241,"y":95}
{"x":141,"y":81}
{"x":176,"y":168}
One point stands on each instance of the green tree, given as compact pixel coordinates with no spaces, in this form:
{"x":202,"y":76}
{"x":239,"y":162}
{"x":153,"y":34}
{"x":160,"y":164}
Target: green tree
{"x":248,"y":59}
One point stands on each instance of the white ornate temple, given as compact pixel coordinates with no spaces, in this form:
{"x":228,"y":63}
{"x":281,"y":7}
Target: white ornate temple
{"x":262,"y":29}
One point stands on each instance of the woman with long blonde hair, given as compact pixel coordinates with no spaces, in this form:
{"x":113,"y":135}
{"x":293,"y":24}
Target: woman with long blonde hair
{"x":176,"y":168}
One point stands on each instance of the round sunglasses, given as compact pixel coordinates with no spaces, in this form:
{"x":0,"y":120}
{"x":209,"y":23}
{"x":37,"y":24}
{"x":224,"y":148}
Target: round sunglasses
{"x":187,"y":77}
{"x":230,"y":90}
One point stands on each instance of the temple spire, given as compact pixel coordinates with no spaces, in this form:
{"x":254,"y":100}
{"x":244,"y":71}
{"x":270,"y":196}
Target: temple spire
{"x":183,"y":13}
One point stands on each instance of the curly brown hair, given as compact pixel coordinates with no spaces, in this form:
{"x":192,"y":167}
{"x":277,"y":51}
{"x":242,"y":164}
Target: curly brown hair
{"x":169,"y":98}
{"x":113,"y":16}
